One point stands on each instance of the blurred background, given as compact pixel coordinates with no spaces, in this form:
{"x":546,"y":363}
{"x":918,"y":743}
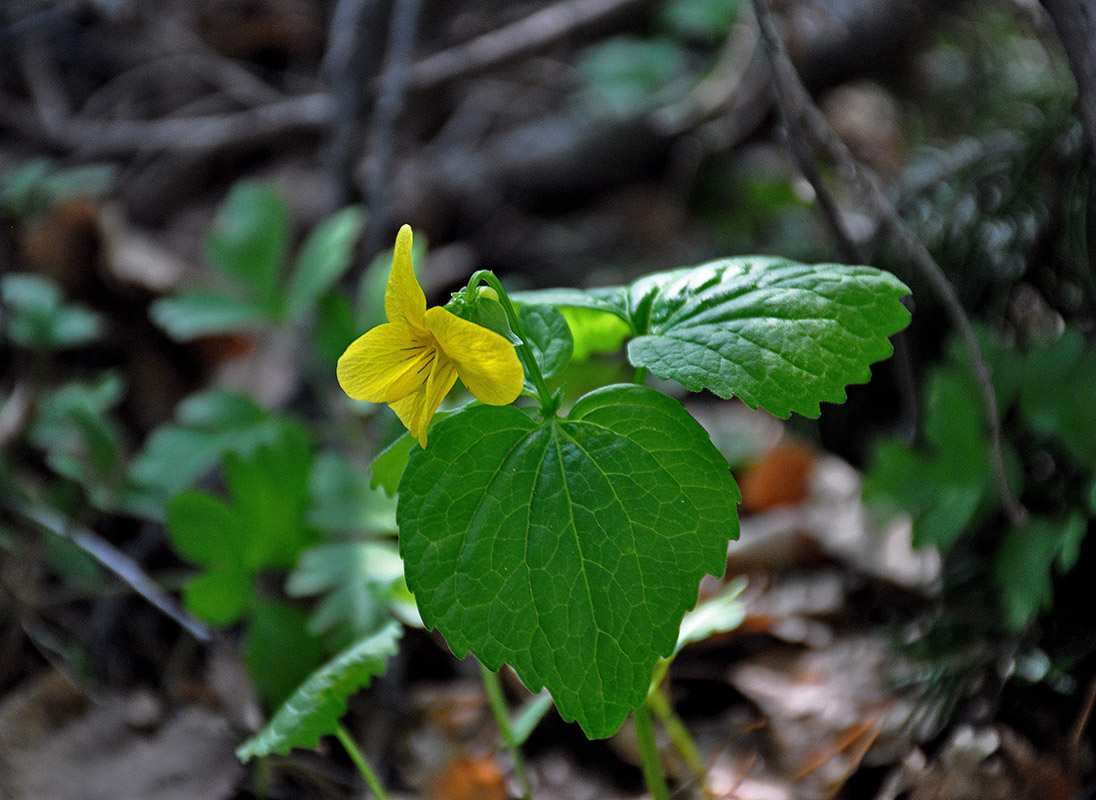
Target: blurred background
{"x":198,"y":200}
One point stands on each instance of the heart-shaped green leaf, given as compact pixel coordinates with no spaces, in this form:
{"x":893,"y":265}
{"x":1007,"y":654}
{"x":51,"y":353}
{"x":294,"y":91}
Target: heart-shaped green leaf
{"x":568,"y":548}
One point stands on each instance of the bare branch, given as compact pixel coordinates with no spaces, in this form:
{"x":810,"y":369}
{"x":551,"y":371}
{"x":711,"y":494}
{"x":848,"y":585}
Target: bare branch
{"x":534,"y":32}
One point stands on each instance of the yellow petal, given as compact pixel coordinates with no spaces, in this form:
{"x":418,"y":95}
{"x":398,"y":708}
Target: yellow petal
{"x":404,"y":300}
{"x":486,"y":363}
{"x":416,"y":410}
{"x":375,"y":361}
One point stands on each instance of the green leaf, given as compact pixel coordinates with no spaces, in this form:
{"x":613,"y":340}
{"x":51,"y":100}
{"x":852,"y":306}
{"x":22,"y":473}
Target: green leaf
{"x":37,"y":318}
{"x":1026,"y":560}
{"x":220,"y":597}
{"x":204,"y":312}
{"x":269,"y":488}
{"x":1064,"y":415}
{"x":205,"y":530}
{"x":774,"y":333}
{"x":81,"y":441}
{"x":945,"y":484}
{"x":595,"y":331}
{"x":325,"y":257}
{"x":342,"y":504}
{"x":278,"y":649}
{"x":387,"y":468}
{"x":625,"y":75}
{"x":208,"y":425}
{"x":549,"y":336}
{"x":568,"y":548}
{"x":91,"y":180}
{"x":529,"y":716}
{"x":249,"y":239}
{"x":710,"y":20}
{"x":611,"y":299}
{"x":19,"y":186}
{"x":361,"y":583}
{"x":316,"y":706}
{"x":718,"y":614}
{"x":335,"y":327}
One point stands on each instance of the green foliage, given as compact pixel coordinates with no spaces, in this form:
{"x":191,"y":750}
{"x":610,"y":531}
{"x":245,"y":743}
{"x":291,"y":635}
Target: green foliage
{"x":625,"y":75}
{"x":361,"y":585}
{"x":387,"y":468}
{"x":36,"y":318}
{"x":262,"y":525}
{"x":37,"y":185}
{"x":208,"y":426}
{"x":549,"y":335}
{"x":945,"y":483}
{"x":248,"y":246}
{"x":315,"y":707}
{"x":250,"y":238}
{"x":81,"y":442}
{"x":709,"y":20}
{"x":279,"y":650}
{"x":718,"y":614}
{"x":1053,"y":411}
{"x":567,"y":548}
{"x":774,"y":333}
{"x":1026,"y":560}
{"x":594,"y":331}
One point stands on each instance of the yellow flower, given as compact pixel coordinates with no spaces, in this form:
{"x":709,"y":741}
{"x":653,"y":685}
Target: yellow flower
{"x":412,"y":361}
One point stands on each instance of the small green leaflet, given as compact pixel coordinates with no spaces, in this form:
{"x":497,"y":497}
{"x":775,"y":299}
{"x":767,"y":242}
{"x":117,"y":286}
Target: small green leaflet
{"x":197,"y":313}
{"x":549,"y":336}
{"x":1025,"y":563}
{"x":315,"y":708}
{"x":324,"y":258}
{"x":250,"y":237}
{"x":567,"y":548}
{"x":775,"y":333}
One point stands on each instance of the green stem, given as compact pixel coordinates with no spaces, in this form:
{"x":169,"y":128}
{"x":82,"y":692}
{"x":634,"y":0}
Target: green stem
{"x":547,"y":403}
{"x":679,"y":735}
{"x":360,"y":761}
{"x":648,"y":754}
{"x":495,"y":697}
{"x":640,"y":376}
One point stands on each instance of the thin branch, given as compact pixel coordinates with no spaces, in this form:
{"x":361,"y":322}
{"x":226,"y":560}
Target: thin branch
{"x":310,"y":112}
{"x":192,"y":134}
{"x":534,"y":32}
{"x":801,"y":107}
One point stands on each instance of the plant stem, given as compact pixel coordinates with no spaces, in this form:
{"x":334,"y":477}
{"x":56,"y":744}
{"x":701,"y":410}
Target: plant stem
{"x":676,"y":730}
{"x":648,"y":754}
{"x":547,"y":403}
{"x":360,"y":761}
{"x":640,"y":376}
{"x":495,"y":697}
